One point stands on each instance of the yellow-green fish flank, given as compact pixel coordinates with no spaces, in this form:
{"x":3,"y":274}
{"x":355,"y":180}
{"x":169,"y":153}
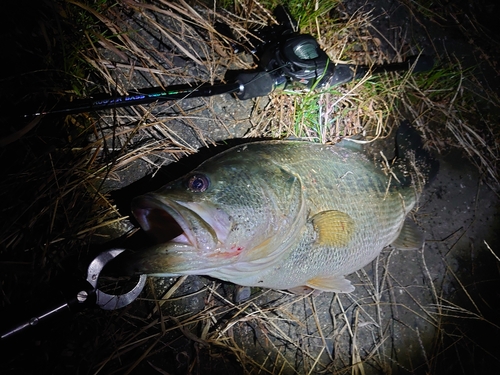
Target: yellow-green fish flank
{"x":281,"y":214}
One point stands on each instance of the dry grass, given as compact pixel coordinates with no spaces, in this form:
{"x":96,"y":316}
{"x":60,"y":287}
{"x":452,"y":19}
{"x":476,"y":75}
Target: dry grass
{"x":395,"y":322}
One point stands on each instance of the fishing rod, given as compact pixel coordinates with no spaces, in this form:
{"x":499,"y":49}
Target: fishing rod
{"x":285,"y":58}
{"x":143,"y":96}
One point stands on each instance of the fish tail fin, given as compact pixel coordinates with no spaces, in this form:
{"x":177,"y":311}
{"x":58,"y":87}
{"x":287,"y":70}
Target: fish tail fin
{"x":416,"y":162}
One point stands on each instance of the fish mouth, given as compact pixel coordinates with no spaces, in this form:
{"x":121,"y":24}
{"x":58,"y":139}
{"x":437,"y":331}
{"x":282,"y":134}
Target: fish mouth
{"x":188,"y":235}
{"x":198,"y":226}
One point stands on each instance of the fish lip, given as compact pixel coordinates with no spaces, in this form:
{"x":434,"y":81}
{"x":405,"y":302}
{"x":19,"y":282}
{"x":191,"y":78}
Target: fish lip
{"x":144,"y":205}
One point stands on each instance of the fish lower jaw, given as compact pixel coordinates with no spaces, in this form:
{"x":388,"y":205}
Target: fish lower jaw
{"x":181,"y":239}
{"x":203,"y":246}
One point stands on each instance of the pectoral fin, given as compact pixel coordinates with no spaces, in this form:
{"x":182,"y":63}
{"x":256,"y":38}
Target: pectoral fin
{"x":333,"y":228}
{"x":410,"y":237}
{"x":337,"y":284}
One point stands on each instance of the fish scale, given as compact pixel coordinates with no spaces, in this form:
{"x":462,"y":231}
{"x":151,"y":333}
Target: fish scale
{"x":345,"y":182}
{"x":283,"y":214}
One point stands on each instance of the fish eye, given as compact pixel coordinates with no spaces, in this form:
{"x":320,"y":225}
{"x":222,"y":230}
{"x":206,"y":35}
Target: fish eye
{"x":198,"y":183}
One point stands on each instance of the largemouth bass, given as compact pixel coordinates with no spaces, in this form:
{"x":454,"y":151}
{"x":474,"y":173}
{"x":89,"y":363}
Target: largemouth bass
{"x":283,"y":214}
